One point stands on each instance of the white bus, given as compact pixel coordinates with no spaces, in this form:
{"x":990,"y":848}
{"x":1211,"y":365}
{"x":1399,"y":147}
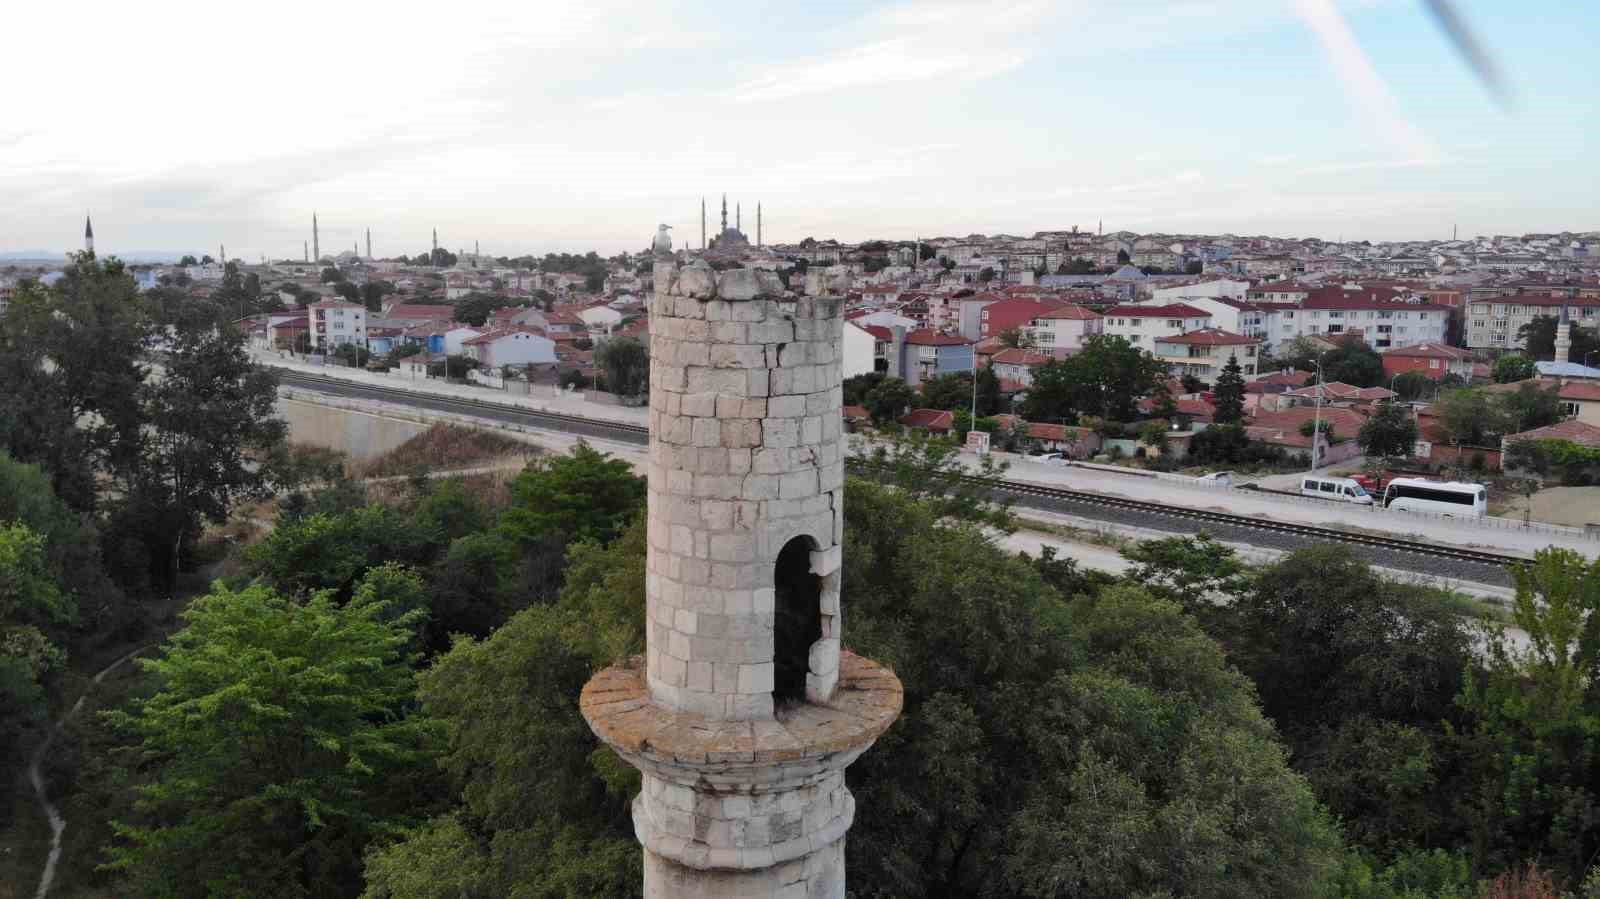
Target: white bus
{"x":1438,"y":497}
{"x":1344,"y":490}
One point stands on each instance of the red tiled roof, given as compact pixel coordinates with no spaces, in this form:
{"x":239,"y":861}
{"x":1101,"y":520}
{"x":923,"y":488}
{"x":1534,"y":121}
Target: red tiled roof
{"x":420,"y":310}
{"x":1071,"y":312}
{"x":926,"y":337}
{"x":1346,"y":423}
{"x":1210,"y":337}
{"x":1170,"y":310}
{"x":1581,"y":391}
{"x":1576,"y":431}
{"x":1529,"y":299}
{"x":879,"y":332}
{"x":1365,"y":298}
{"x":1287,"y":379}
{"x":1427,"y":351}
{"x":931,"y":419}
{"x":1016,"y":356}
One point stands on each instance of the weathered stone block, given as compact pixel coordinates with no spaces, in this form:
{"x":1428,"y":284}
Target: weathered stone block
{"x":697,"y":280}
{"x":738,"y":284}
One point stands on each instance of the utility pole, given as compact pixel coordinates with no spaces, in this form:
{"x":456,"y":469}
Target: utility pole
{"x":1316,"y":427}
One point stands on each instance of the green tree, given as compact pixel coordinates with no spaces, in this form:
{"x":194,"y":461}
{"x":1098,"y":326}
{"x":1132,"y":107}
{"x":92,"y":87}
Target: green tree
{"x":331,"y":550}
{"x":1123,"y":258}
{"x":505,"y":745}
{"x":1301,"y":353}
{"x":31,"y":604}
{"x":583,"y":495}
{"x":857,"y":387}
{"x":1531,"y":405}
{"x":332,"y":275}
{"x":92,"y":327}
{"x":1413,"y":385}
{"x":208,"y":418}
{"x":1389,"y":431}
{"x":986,"y":274}
{"x":1353,"y":362}
{"x":626,"y":364}
{"x":188,"y":260}
{"x":949,"y":391}
{"x":890,"y":399}
{"x":347,"y":291}
{"x":475,"y":308}
{"x":1020,"y":765}
{"x":1229,"y":393}
{"x":1535,"y":714}
{"x":279,"y":743}
{"x":1510,"y":368}
{"x":1197,"y":573}
{"x":1106,"y":378}
{"x":1470,"y":417}
{"x":1015,"y":337}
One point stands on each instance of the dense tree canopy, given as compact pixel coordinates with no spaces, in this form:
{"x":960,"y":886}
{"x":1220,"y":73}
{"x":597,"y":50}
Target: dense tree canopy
{"x":1105,"y":378}
{"x":281,"y":740}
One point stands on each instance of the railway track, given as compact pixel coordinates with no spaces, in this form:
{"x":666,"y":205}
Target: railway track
{"x":1042,"y":496}
{"x":1211,"y":516}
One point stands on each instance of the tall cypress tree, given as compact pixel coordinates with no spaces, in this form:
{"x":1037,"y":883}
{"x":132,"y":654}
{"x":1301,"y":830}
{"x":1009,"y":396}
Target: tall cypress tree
{"x":1229,"y":393}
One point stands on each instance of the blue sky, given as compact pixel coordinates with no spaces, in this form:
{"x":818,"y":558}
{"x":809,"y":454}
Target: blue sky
{"x":533,"y":127}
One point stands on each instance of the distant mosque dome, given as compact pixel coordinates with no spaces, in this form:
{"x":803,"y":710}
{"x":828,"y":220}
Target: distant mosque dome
{"x":663,"y":241}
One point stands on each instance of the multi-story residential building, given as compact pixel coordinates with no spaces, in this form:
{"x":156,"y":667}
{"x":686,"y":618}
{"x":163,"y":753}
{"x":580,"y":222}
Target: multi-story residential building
{"x":335,"y":323}
{"x":924,"y":354}
{"x":1382,"y":317}
{"x":1143,"y":325}
{"x":997,"y":318}
{"x":1205,"y":352}
{"x":1062,"y":330}
{"x":1237,"y":316}
{"x":863,"y":349}
{"x":1493,"y":322}
{"x":1014,"y":367}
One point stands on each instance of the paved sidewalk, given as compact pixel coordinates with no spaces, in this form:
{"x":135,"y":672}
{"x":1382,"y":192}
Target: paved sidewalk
{"x":543,"y":399}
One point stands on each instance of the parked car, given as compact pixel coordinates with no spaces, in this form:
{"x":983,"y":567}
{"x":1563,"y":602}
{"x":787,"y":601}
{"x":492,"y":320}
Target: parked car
{"x":1220,"y":478}
{"x":1055,"y":459}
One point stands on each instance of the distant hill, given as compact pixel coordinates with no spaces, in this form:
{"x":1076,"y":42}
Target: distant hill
{"x":55,"y":256}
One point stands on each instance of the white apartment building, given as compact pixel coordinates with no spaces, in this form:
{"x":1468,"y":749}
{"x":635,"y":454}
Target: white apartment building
{"x":1228,"y":313}
{"x":336,"y":322}
{"x":1382,"y":324}
{"x":1493,"y":322}
{"x":1143,"y":325}
{"x":1062,"y":331}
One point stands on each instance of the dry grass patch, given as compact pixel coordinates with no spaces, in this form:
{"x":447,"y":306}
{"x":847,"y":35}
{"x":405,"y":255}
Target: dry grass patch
{"x":445,"y":447}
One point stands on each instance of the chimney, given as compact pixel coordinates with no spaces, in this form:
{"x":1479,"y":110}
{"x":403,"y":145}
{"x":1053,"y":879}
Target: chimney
{"x":1564,"y":337}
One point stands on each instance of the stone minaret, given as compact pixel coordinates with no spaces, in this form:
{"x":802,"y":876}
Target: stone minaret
{"x":369,"y":243}
{"x":744,"y":711}
{"x":306,"y":249}
{"x":88,"y":235}
{"x":316,"y":240}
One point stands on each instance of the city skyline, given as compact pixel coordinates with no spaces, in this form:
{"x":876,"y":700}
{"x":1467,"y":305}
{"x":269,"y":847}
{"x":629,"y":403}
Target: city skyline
{"x":581,"y":127}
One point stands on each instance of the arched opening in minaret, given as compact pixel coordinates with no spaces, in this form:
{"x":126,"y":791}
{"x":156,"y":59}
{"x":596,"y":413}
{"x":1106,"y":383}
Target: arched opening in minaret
{"x":797,"y":619}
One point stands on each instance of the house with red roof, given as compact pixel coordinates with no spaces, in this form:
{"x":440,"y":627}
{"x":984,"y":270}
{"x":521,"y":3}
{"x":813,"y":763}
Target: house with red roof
{"x":934,"y":421}
{"x":1430,"y":359}
{"x":1062,"y":331}
{"x":925,"y":353}
{"x":1016,"y":366}
{"x":999,"y":317}
{"x":1205,"y":352}
{"x":1283,"y":428}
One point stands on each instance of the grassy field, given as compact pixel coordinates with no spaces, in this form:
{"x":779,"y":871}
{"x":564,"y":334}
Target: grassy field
{"x":444,"y":447}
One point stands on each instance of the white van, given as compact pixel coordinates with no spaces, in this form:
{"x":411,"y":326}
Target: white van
{"x":1344,"y":490}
